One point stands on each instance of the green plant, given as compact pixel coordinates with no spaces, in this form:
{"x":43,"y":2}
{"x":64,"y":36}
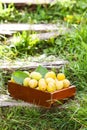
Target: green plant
{"x":26,"y":43}
{"x":43,"y":14}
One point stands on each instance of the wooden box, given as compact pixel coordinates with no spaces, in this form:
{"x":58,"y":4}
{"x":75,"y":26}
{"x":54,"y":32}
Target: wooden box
{"x":39,"y":97}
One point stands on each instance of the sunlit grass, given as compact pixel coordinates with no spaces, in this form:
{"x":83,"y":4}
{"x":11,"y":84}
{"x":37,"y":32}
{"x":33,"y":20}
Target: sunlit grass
{"x":68,"y":116}
{"x":71,"y":115}
{"x":53,"y":13}
{"x":72,"y":47}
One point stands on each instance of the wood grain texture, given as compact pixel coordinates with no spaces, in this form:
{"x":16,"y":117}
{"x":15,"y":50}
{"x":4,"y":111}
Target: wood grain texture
{"x":32,"y":27}
{"x":6,"y":101}
{"x":32,"y":65}
{"x":39,"y":97}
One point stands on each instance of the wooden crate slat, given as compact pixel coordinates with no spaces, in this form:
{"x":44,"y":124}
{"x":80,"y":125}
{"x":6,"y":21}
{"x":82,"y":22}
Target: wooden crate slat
{"x":27,"y":1}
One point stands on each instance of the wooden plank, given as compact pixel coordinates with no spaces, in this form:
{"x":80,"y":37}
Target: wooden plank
{"x":31,"y":27}
{"x":6,"y":32}
{"x":27,"y":1}
{"x":6,"y":100}
{"x":48,"y":35}
{"x":41,"y":36}
{"x":31,"y":65}
{"x":54,"y":30}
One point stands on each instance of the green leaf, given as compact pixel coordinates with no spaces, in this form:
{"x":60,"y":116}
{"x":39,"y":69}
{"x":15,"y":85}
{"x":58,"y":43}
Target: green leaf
{"x":19,"y":76}
{"x":42,"y":70}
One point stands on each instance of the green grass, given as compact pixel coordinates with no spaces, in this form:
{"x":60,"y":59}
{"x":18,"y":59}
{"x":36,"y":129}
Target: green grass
{"x":72,"y":11}
{"x":71,"y":115}
{"x":72,"y":47}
